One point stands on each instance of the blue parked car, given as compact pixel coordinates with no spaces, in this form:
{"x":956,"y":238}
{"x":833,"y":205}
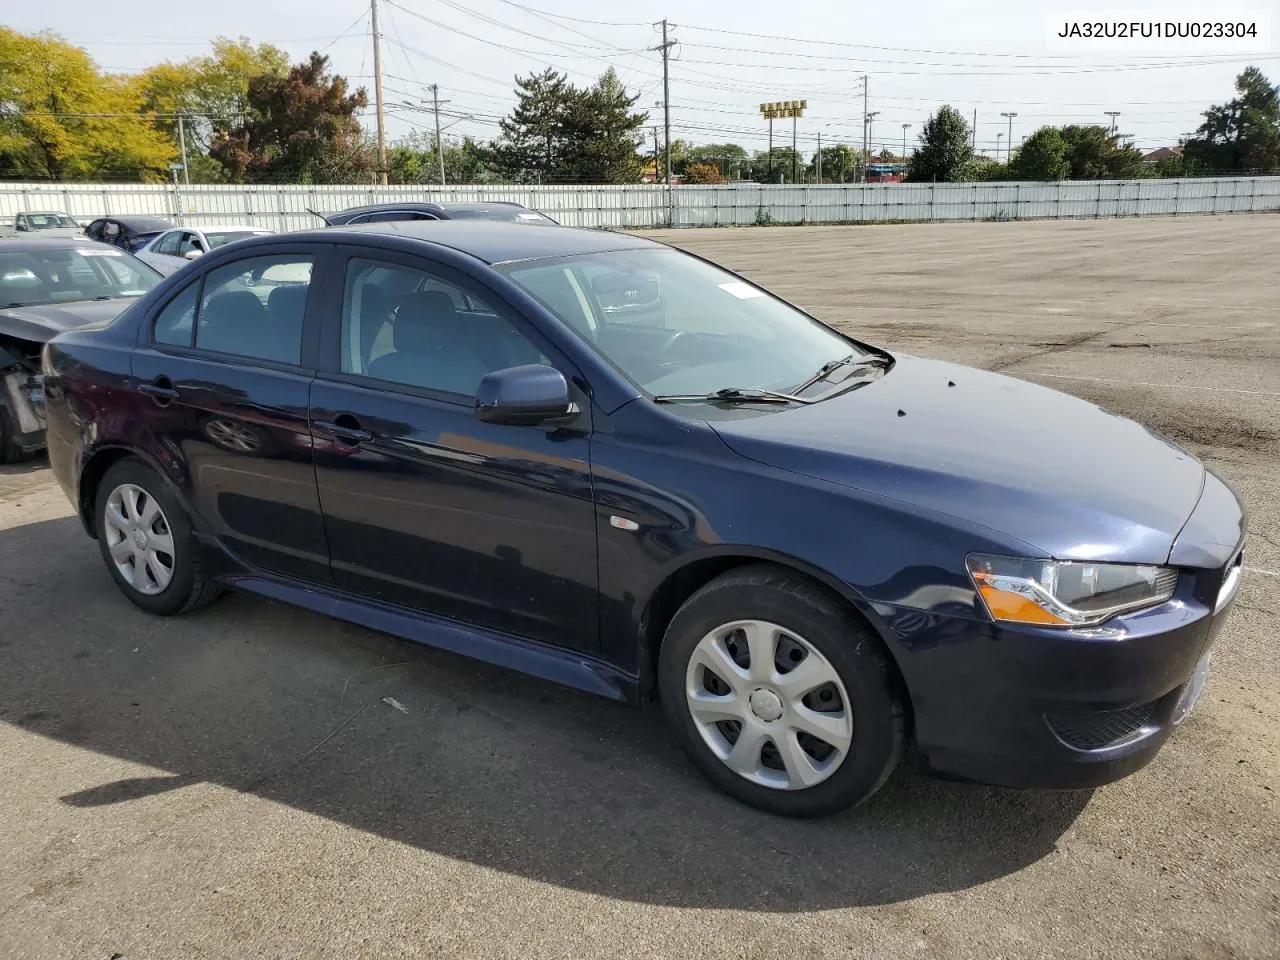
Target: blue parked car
{"x":602,"y":461}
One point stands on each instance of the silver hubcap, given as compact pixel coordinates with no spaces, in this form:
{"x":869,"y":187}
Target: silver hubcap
{"x":231,"y":435}
{"x":139,"y":539}
{"x":769,"y":705}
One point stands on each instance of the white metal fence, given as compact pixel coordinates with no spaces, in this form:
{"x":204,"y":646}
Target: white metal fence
{"x":285,"y":207}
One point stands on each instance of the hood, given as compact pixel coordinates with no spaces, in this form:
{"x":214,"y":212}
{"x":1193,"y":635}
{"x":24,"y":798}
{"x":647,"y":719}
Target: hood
{"x":1052,"y":470}
{"x":42,"y":324}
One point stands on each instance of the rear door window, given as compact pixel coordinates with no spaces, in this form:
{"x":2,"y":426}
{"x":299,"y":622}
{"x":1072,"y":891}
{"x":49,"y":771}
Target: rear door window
{"x":255,"y":307}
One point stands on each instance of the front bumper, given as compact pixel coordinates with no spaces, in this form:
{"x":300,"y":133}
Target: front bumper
{"x":1039,"y":707}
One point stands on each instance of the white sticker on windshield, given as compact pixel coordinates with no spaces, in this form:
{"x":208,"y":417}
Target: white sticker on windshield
{"x":94,"y":252}
{"x":741,"y":290}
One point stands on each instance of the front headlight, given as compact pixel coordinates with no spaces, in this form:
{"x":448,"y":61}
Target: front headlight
{"x":1067,"y":593}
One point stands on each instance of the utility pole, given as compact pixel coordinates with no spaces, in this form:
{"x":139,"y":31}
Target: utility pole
{"x":795,"y":159}
{"x":435,"y":106}
{"x":1112,"y":114}
{"x":905,"y":127}
{"x":1009,"y":141}
{"x":657,"y":165}
{"x":377,"y":93}
{"x":999,"y":137}
{"x":866,"y":126}
{"x":973,"y":134}
{"x":665,"y":47}
{"x":867,"y":145}
{"x":817,"y":161}
{"x":771,"y":149}
{"x":182,"y":144}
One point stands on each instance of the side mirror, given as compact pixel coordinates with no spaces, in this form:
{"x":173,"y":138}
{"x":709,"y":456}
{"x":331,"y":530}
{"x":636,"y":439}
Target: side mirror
{"x":191,"y":254}
{"x":525,"y":395}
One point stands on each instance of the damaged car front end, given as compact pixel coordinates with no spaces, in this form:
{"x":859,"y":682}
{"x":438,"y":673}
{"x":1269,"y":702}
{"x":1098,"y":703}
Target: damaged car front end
{"x":22,"y":418}
{"x":48,"y":286}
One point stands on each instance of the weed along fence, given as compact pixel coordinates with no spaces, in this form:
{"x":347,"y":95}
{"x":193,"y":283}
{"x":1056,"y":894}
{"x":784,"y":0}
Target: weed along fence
{"x":286,"y":207}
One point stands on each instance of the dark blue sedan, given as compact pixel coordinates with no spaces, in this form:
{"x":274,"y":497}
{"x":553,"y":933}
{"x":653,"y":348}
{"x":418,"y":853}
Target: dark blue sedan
{"x":605,"y":462}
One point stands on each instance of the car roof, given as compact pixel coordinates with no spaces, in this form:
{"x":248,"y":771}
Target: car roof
{"x":416,"y":205}
{"x":497,"y":241}
{"x":42,"y":213}
{"x":141,"y":223}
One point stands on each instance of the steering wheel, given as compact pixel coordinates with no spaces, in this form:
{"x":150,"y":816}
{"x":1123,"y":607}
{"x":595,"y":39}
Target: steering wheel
{"x":680,"y":347}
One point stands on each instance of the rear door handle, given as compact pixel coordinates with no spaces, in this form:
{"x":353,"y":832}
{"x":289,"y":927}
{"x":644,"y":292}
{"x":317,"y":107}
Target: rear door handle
{"x":348,"y":435}
{"x":160,"y":390}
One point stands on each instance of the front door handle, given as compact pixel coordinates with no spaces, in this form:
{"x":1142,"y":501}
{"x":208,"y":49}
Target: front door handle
{"x":160,"y":390}
{"x":348,"y":435}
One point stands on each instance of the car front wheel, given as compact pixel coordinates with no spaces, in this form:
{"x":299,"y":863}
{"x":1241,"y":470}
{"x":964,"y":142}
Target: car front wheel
{"x":147,"y":541}
{"x":780,"y":694}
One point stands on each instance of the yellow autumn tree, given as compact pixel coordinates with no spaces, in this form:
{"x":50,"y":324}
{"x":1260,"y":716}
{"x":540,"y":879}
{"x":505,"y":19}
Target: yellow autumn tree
{"x":62,"y":118}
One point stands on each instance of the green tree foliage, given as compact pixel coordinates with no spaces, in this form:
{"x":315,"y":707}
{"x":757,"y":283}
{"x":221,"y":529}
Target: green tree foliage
{"x":300,"y":127}
{"x":839,"y":164}
{"x":601,"y":133}
{"x":779,"y":171}
{"x":1094,"y":153}
{"x":558,"y":133}
{"x":413,"y":160}
{"x":1242,"y":134}
{"x":212,"y":94}
{"x":61,"y":118}
{"x":728,"y":158}
{"x":944,"y":152}
{"x":1042,"y":157}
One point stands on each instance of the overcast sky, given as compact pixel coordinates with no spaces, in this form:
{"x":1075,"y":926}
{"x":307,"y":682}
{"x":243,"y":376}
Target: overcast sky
{"x":731,"y":56}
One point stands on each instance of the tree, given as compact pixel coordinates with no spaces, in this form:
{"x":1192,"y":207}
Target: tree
{"x":300,"y":127}
{"x":413,"y":160}
{"x":558,"y":133}
{"x":944,"y":150}
{"x":600,"y":133}
{"x":61,"y":118}
{"x":1242,"y":134}
{"x":212,"y":94}
{"x":533,"y":134}
{"x":1094,"y":153}
{"x":702,"y":173}
{"x":729,"y":159}
{"x":839,"y":164}
{"x":1042,"y":157}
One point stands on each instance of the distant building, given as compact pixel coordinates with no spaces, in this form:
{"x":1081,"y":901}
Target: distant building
{"x":1164,"y":153}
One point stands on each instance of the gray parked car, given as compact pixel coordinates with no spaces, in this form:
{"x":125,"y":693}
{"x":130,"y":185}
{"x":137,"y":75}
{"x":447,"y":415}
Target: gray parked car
{"x":45,"y":223}
{"x":170,"y":251}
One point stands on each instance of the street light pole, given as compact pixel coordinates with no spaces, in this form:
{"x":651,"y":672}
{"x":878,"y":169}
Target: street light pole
{"x":1009,"y":142}
{"x":1112,"y":114}
{"x":999,"y":137}
{"x":905,"y":127}
{"x":867,"y":145}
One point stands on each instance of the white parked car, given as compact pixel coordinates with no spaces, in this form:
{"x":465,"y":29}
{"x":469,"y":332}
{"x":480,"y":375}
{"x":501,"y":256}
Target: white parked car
{"x":170,"y":251}
{"x":48,"y":223}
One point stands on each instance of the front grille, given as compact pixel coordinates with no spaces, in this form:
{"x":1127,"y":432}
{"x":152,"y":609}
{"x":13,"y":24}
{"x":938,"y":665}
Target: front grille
{"x":1099,"y":729}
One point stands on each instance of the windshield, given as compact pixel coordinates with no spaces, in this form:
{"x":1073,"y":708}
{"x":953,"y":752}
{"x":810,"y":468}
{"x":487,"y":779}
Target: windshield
{"x":34,"y":277}
{"x":48,"y":221}
{"x":673,"y":324}
{"x":217,"y":238}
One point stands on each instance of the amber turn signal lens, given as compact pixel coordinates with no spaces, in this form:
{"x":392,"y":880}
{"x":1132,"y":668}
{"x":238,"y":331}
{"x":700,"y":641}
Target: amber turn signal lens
{"x":1007,"y":605}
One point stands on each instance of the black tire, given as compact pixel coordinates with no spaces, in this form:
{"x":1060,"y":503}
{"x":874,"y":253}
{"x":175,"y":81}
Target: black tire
{"x":190,"y":586}
{"x":794,"y":602}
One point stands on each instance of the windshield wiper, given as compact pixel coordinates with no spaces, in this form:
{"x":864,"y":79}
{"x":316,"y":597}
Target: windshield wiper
{"x":853,"y":359}
{"x":732,"y":395}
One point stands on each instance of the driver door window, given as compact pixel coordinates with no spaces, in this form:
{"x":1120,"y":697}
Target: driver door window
{"x":168,"y":244}
{"x":412,"y":327}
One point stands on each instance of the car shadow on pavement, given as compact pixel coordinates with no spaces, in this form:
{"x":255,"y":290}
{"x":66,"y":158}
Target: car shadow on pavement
{"x":453,"y":756}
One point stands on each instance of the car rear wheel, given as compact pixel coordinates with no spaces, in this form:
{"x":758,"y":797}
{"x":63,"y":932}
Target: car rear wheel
{"x":147,"y":541}
{"x":780,"y":694}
